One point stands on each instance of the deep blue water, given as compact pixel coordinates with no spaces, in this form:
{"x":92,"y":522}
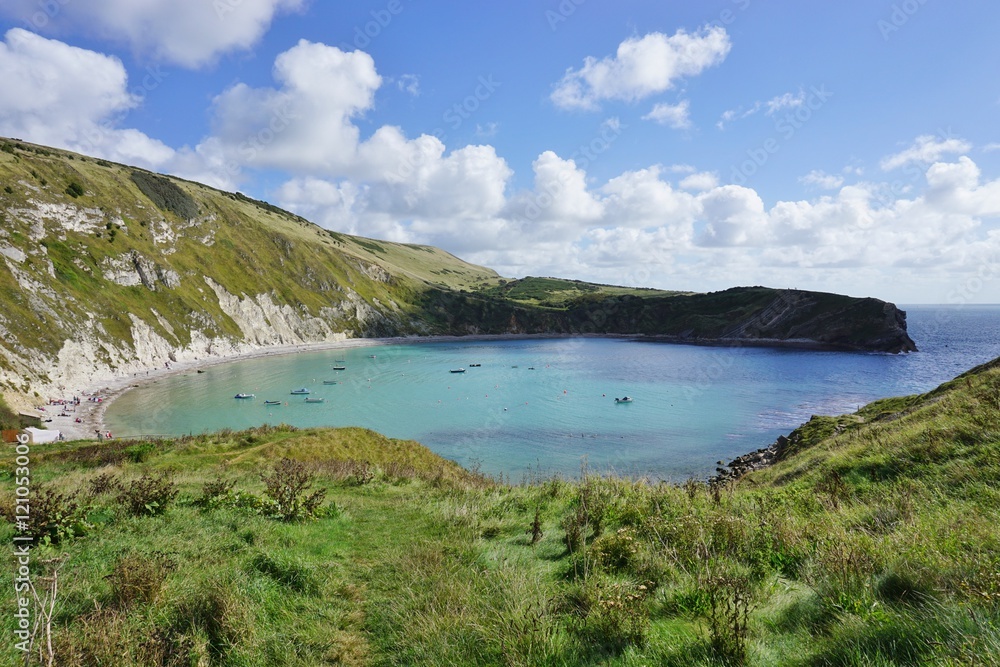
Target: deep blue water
{"x":541,"y":406}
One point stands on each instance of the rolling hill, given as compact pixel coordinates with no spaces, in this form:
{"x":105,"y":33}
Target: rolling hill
{"x":108,"y":270}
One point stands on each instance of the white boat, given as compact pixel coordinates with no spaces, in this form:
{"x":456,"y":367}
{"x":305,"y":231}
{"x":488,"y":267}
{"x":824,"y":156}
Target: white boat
{"x":242,"y":395}
{"x":315,"y":400}
{"x":457,"y":370}
{"x":624,"y":399}
{"x":297,"y":392}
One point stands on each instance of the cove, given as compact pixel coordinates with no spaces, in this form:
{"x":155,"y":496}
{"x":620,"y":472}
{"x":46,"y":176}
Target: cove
{"x":537,"y":407}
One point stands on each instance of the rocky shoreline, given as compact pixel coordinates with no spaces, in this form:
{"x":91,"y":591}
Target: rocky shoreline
{"x":747,"y":463}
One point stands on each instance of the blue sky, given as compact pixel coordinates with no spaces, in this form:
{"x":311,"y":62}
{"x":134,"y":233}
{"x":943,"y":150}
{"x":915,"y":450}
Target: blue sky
{"x":849,"y":147}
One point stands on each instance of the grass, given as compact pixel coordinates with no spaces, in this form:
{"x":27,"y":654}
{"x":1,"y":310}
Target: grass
{"x":874,"y":543}
{"x":193,"y":241}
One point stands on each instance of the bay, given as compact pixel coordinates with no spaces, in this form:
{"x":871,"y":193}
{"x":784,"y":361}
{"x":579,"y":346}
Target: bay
{"x":537,"y":407}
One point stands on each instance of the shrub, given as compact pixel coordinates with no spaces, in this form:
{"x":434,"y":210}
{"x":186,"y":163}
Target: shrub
{"x":148,"y":495}
{"x":104,"y":483}
{"x":616,"y":552}
{"x":75,"y":190}
{"x":610,"y":616}
{"x":139,"y":452}
{"x":165,"y":194}
{"x":730,"y":601}
{"x":536,"y":527}
{"x":54,"y":516}
{"x":287,"y":486}
{"x":213,"y":491}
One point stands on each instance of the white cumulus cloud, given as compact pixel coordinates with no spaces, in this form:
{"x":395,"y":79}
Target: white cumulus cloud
{"x":190,"y":33}
{"x":677,"y":116}
{"x":822,"y":180}
{"x":926,"y":149}
{"x":642,"y":66}
{"x":65,"y":96}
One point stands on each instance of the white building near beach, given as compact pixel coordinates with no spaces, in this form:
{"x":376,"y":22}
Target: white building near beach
{"x":39,"y":436}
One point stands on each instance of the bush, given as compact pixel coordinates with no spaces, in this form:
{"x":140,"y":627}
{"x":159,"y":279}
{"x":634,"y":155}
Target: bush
{"x":75,"y":190}
{"x":148,"y":495}
{"x":616,"y":552}
{"x":287,"y":485}
{"x":104,"y":483}
{"x":610,"y":616}
{"x":165,"y":194}
{"x":212,"y":492}
{"x":54,"y":516}
{"x":139,"y":452}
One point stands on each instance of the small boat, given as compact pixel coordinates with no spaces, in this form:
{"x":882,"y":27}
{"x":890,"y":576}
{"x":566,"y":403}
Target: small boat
{"x":340,"y":368}
{"x":200,"y":371}
{"x":303,"y":390}
{"x":242,"y":395}
{"x":624,"y":399}
{"x":457,"y":370}
{"x":371,"y":356}
{"x":315,"y":400}
{"x":272,"y":402}
{"x":474,"y":365}
{"x":329,"y":382}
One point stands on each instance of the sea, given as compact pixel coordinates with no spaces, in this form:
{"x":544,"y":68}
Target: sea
{"x":528,"y":409}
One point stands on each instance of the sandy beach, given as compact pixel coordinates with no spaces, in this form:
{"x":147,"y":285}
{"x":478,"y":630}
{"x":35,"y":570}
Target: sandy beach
{"x":90,"y":412}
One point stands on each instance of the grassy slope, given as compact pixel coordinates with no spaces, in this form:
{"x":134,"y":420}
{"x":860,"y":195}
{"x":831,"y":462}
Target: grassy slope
{"x":876,"y":543}
{"x":253,"y":248}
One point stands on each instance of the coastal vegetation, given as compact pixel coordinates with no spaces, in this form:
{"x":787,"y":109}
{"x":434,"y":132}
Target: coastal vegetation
{"x":873,"y":541}
{"x":107,"y":270}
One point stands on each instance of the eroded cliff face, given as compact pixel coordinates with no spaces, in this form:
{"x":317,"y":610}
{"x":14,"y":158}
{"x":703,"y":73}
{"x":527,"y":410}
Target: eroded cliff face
{"x":98,"y":293}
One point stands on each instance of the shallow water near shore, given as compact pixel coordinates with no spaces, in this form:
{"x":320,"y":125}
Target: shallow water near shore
{"x":537,"y":407}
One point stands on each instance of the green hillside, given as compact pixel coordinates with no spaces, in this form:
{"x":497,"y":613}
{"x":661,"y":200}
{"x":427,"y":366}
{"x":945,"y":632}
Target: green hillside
{"x":874,"y":542}
{"x":107,"y":270}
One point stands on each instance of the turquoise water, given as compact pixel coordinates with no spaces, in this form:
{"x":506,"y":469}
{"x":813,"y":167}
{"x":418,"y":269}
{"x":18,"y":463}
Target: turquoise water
{"x":541,"y":406}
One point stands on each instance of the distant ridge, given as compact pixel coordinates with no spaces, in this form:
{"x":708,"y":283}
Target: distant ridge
{"x":108,"y":270}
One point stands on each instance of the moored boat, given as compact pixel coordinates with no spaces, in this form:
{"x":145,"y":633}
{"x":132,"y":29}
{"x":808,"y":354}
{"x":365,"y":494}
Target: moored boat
{"x":457,"y":370}
{"x":297,"y":392}
{"x":624,"y":399}
{"x":315,"y":400}
{"x":340,"y":368}
{"x":329,"y":382}
{"x":242,"y":395}
{"x":272,"y":402}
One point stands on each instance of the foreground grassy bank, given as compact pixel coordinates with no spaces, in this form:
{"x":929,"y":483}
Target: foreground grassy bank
{"x":875,"y":542}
